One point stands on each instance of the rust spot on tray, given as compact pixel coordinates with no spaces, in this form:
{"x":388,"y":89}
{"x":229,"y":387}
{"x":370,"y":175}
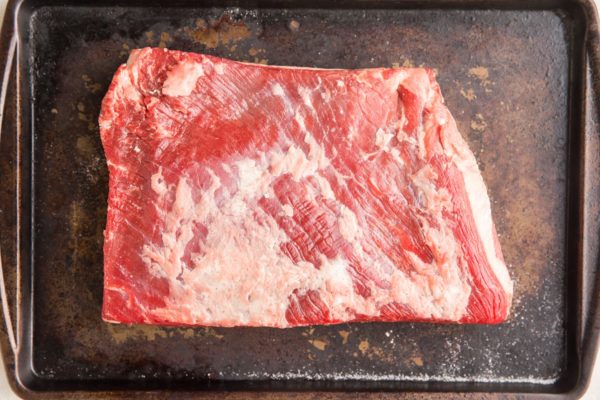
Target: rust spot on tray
{"x":482,"y":74}
{"x":90,"y":85}
{"x":82,"y":230}
{"x":165,"y":39}
{"x":309,"y":331}
{"x":478,"y":124}
{"x":87,"y":117}
{"x":149,"y":37}
{"x":344,"y":335}
{"x":319,"y":344}
{"x":220,"y":33}
{"x":363,"y":346}
{"x":468,"y":94}
{"x":123,"y":333}
{"x":85,"y":146}
{"x":211,"y":332}
{"x":379,"y":353}
{"x":75,"y":218}
{"x":152,"y":38}
{"x":293,"y":25}
{"x":188,"y":333}
{"x":404,"y":64}
{"x":254,"y":52}
{"x":418,"y":361}
{"x":124,"y":52}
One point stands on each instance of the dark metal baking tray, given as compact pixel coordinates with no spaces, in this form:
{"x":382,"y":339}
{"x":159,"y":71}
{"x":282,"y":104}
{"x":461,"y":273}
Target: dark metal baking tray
{"x":521,"y":80}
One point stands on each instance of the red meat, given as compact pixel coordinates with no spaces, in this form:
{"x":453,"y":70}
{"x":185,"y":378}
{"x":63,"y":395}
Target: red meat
{"x":251,"y":195}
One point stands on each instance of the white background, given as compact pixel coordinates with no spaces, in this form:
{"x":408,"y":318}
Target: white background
{"x":593,"y":392}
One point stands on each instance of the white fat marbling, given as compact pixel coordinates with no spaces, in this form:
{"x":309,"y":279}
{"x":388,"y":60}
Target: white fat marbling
{"x":181,"y":79}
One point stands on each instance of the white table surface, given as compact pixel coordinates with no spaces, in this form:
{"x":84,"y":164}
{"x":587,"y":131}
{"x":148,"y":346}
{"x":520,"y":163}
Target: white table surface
{"x":6,"y":393}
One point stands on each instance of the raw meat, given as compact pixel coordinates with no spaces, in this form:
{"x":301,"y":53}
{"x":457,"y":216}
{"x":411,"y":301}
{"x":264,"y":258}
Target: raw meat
{"x":251,"y":195}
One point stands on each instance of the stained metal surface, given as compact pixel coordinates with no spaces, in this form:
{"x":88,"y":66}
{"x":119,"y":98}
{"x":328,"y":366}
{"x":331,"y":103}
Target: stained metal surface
{"x":514,"y":80}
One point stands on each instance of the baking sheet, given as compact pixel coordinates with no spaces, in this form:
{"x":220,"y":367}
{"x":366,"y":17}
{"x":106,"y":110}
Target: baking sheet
{"x":514,"y":80}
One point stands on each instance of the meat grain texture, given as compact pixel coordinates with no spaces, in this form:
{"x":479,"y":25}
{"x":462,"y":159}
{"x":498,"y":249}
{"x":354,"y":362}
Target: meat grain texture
{"x":252,"y":195}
